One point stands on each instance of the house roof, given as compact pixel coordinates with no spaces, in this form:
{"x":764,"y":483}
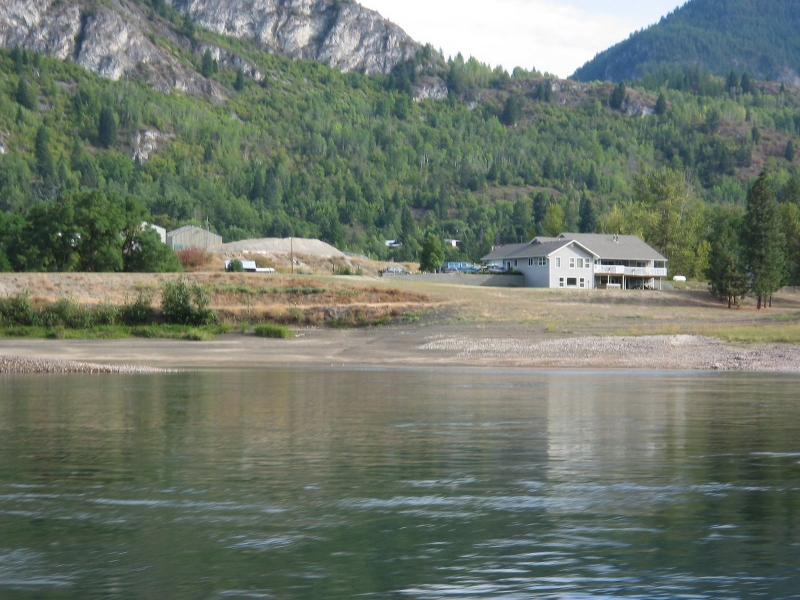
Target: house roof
{"x":604,"y":246}
{"x":189,"y":228}
{"x":627,"y":247}
{"x":504,"y":251}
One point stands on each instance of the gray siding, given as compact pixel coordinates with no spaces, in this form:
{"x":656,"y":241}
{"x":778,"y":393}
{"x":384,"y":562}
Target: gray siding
{"x":565,"y":254}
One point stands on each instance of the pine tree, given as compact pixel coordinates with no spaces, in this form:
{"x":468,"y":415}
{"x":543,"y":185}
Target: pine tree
{"x":512,"y":111}
{"x":26,"y":95}
{"x":661,"y":105}
{"x":763,"y":241}
{"x":107,"y":127}
{"x":187,"y":28}
{"x":238,"y":84}
{"x":618,"y":96}
{"x":45,"y":165}
{"x":790,"y":151}
{"x":207,"y":66}
{"x":726,"y":273}
{"x":588,"y":216}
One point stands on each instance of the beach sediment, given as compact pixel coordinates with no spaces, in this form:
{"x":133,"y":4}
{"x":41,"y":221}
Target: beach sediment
{"x":24,"y":364}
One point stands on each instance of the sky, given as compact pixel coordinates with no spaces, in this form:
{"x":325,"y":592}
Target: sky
{"x":554,"y":36}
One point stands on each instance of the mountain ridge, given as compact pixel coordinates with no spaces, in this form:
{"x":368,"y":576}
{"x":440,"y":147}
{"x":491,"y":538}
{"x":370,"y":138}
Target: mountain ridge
{"x":755,"y":36}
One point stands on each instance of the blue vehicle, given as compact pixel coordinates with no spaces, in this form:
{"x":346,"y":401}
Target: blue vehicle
{"x":460,"y":267}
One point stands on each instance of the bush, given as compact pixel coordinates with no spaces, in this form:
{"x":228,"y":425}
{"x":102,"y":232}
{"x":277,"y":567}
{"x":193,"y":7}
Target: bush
{"x":138,"y":312}
{"x":273,"y":331}
{"x":235,"y":266}
{"x":184,"y":304}
{"x":66,"y":312}
{"x":193,"y":258}
{"x":18,"y":311}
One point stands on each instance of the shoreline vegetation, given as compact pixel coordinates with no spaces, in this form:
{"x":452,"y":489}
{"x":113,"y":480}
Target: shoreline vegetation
{"x":338,"y":320}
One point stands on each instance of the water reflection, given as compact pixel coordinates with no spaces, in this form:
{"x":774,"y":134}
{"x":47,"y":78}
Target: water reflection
{"x":312,"y":484}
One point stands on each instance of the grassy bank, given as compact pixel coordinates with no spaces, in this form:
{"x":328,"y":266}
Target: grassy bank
{"x":65,"y":306}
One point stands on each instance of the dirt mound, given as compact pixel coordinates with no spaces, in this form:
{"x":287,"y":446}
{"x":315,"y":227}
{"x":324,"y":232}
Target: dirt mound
{"x":280,"y":246}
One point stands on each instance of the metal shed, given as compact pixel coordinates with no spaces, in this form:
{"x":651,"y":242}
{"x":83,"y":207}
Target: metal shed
{"x":191,"y":236}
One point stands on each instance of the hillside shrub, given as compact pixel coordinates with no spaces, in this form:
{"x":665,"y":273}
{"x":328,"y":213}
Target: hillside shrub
{"x":193,"y":258}
{"x":139,"y":311}
{"x":186,"y":304}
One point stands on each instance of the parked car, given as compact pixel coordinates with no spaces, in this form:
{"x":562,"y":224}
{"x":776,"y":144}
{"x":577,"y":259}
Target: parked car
{"x":395,"y":271}
{"x":496,"y":269}
{"x":460,"y":267}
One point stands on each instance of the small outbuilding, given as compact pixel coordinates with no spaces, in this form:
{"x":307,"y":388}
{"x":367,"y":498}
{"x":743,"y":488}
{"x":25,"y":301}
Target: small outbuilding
{"x":191,"y":236}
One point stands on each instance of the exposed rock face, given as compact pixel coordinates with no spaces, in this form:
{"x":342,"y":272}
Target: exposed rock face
{"x":111,"y":43}
{"x":340,"y":33}
{"x":113,"y":39}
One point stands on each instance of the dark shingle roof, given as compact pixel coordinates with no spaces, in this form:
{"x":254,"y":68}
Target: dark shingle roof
{"x":629,"y":247}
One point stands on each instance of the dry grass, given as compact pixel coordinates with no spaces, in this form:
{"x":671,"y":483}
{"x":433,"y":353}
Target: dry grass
{"x":354,"y":301}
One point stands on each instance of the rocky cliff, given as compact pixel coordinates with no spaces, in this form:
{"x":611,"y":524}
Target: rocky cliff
{"x":115,"y":38}
{"x":108,"y":40}
{"x":340,"y":33}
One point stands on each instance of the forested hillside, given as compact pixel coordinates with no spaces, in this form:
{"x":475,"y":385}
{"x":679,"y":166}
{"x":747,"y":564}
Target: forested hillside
{"x":353,"y":159}
{"x":758,"y":36}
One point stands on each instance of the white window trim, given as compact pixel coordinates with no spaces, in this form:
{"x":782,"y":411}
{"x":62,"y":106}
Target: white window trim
{"x":558,"y":262}
{"x":572,"y":262}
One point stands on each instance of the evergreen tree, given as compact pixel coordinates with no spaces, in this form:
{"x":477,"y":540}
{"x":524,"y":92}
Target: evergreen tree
{"x":726,"y":273}
{"x":755,"y":135}
{"x":207,"y":66}
{"x":588,"y":216}
{"x":618,"y":96}
{"x":187,"y":27}
{"x":661,"y":105}
{"x":790,"y":151}
{"x":107,"y":127}
{"x":238,"y":83}
{"x":763,"y":241}
{"x":45,"y":165}
{"x":26,"y":95}
{"x":432,"y":255}
{"x":512,"y":111}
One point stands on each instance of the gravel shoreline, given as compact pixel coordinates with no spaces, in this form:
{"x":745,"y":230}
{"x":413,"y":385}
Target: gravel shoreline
{"x":682,"y":352}
{"x":24,"y":364}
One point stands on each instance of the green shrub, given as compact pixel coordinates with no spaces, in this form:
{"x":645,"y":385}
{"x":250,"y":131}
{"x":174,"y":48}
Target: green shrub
{"x":273,"y":331}
{"x":138,"y":312}
{"x":16,"y":311}
{"x":184,"y":304}
{"x":65,"y":313}
{"x":235,"y":266}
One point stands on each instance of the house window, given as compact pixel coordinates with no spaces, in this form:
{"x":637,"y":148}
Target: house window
{"x":515,"y":262}
{"x":530,"y":262}
{"x":583,"y":282}
{"x":558,"y":263}
{"x":542,"y":262}
{"x":588,"y":263}
{"x":580,"y":263}
{"x":560,"y":282}
{"x":572,"y":263}
{"x":572,"y":282}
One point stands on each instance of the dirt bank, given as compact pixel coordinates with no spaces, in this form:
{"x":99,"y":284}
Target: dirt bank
{"x":436,"y":346}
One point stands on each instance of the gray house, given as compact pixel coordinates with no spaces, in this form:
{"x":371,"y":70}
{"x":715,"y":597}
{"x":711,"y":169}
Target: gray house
{"x":584,"y":260}
{"x":192,"y":237}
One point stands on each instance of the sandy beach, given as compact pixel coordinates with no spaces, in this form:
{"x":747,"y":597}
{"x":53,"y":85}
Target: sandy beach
{"x":501,"y":345}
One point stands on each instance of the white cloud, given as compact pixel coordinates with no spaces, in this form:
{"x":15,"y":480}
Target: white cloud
{"x":551,"y":36}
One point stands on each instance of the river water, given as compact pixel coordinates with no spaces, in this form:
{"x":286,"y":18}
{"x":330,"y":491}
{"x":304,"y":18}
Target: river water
{"x":400,"y":484}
